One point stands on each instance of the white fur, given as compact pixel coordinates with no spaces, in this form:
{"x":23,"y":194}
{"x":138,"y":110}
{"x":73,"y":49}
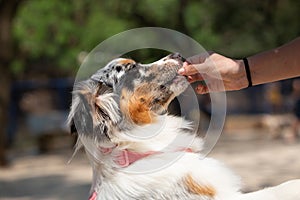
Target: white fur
{"x":162,"y":172}
{"x":176,"y":149}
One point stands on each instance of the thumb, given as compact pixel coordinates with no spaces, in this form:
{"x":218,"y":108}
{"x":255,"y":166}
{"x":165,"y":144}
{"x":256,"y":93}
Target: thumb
{"x":187,"y":69}
{"x":192,"y":69}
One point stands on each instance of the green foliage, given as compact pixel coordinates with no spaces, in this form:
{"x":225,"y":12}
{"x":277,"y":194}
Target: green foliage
{"x":163,"y":12}
{"x":46,"y":29}
{"x":59,"y":30}
{"x":199,"y":19}
{"x":251,"y":26}
{"x":100,"y":26}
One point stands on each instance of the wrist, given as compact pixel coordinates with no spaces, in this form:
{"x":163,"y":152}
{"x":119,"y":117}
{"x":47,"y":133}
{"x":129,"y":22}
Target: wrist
{"x":242,"y":79}
{"x":248,"y":73}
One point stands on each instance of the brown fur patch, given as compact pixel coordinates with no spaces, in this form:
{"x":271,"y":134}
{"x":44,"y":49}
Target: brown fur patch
{"x":136,"y":107}
{"x":198,"y":189}
{"x":126,"y":61}
{"x":147,"y":100}
{"x":139,"y":111}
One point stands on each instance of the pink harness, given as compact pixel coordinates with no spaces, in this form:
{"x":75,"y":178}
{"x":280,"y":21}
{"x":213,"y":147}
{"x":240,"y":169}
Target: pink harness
{"x":93,"y":196}
{"x":126,"y":158}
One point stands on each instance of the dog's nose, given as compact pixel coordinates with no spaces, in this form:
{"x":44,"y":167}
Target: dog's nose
{"x":177,"y":56}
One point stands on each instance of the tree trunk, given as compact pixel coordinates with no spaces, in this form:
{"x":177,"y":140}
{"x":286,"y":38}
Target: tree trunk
{"x":8,"y":10}
{"x":4,"y":102}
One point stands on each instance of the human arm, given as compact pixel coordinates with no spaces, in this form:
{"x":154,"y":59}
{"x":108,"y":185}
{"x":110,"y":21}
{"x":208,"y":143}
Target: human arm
{"x":223,"y":73}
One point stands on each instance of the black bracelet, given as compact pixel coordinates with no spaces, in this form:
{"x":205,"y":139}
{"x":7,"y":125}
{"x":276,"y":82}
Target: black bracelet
{"x":247,"y":72}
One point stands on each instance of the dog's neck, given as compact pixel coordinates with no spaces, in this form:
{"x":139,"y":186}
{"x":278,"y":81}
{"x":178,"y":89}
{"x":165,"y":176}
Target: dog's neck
{"x":126,"y":157}
{"x":123,"y":160}
{"x":167,"y":134}
{"x":173,"y":135}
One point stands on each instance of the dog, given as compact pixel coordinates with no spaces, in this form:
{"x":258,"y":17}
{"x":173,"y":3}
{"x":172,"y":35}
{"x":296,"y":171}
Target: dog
{"x":139,"y":151}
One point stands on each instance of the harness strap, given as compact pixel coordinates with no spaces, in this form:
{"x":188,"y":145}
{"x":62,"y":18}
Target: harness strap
{"x":93,"y":196}
{"x":126,"y":157}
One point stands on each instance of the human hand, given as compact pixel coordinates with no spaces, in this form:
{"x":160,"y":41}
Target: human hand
{"x":215,"y":72}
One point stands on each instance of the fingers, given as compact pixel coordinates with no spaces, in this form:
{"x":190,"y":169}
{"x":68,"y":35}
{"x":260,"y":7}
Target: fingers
{"x":193,"y":75}
{"x":195,"y":64}
{"x":202,"y":89}
{"x":194,"y":78}
{"x":202,"y":68}
{"x":187,"y":69}
{"x":211,"y":85}
{"x":193,"y":69}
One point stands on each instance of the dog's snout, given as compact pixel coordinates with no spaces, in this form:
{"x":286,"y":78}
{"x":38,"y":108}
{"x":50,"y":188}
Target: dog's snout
{"x":177,"y":56}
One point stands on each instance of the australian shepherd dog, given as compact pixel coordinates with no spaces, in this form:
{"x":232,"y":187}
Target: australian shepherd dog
{"x":138,"y":151}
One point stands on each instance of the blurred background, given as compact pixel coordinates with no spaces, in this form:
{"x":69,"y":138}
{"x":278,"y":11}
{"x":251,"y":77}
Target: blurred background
{"x":42,"y":44}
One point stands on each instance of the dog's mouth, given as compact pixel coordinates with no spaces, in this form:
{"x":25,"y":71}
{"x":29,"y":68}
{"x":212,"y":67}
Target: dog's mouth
{"x":177,"y":83}
{"x":178,"y":79}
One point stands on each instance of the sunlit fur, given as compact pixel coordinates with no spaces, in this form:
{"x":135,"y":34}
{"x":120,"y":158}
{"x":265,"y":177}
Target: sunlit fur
{"x":124,"y":106}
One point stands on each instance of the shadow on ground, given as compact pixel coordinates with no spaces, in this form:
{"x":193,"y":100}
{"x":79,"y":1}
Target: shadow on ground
{"x":43,"y":187}
{"x":251,"y":154}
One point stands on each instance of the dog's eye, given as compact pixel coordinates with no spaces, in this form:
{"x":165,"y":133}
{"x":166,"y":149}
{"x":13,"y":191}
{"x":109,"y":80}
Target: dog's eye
{"x":156,"y":100}
{"x":162,"y":87}
{"x":133,"y":66}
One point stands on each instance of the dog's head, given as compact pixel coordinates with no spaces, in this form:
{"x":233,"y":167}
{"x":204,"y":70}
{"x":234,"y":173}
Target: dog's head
{"x":123,"y":95}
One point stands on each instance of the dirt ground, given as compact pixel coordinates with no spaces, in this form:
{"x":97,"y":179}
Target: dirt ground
{"x":259,"y":160}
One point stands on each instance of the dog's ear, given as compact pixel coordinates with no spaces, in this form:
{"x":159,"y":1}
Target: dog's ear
{"x":93,"y":111}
